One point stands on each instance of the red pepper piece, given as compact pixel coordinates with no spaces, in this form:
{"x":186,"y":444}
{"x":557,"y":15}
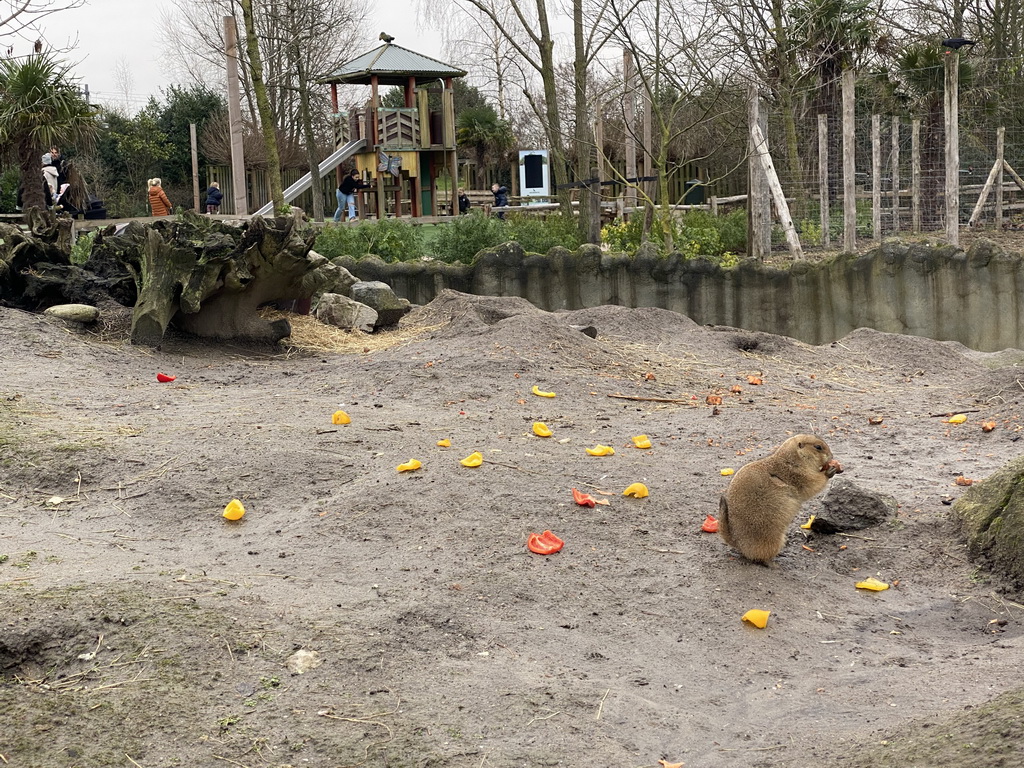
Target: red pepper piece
{"x":583,"y":499}
{"x":710,"y":524}
{"x":544,"y":543}
{"x":163,"y":377}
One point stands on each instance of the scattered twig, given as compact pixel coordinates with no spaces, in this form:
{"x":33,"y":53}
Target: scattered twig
{"x":651,"y":399}
{"x":669,"y":551}
{"x":229,"y":760}
{"x":855,"y":536}
{"x":952,"y":413}
{"x":545,"y":717}
{"x":752,"y":749}
{"x":131,"y":761}
{"x":600,"y":706}
{"x":325,"y":431}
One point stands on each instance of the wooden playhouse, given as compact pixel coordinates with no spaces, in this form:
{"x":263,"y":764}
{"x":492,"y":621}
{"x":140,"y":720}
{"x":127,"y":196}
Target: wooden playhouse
{"x":403,"y":151}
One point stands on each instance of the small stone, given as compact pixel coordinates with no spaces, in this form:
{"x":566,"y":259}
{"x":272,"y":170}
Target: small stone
{"x":75,"y":313}
{"x":302,"y":661}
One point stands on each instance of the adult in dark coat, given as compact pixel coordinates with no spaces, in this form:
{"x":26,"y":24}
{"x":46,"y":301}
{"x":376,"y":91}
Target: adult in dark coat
{"x":500,"y":198}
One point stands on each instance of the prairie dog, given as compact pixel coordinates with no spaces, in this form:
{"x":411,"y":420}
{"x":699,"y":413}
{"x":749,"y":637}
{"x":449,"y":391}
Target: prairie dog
{"x":765,"y":495}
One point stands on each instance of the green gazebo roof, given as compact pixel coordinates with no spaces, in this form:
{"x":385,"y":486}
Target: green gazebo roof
{"x":393,"y":65}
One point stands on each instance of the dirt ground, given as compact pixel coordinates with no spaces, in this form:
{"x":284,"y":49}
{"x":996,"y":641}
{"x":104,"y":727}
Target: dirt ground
{"x":140,"y":628}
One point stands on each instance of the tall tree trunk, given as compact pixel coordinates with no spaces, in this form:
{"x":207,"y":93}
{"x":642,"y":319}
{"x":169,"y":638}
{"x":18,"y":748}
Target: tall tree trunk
{"x":560,"y":163}
{"x":31,"y":177}
{"x":306,"y":120}
{"x":589,"y":225}
{"x":267,"y":125}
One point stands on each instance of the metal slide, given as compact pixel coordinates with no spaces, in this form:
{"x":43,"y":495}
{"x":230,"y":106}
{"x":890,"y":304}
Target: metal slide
{"x":333,"y":161}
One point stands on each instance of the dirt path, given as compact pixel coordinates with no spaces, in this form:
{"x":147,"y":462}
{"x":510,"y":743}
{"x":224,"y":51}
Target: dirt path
{"x":141,"y":628}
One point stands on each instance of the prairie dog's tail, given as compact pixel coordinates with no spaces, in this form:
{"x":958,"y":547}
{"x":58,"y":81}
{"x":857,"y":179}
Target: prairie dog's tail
{"x":723,"y":519}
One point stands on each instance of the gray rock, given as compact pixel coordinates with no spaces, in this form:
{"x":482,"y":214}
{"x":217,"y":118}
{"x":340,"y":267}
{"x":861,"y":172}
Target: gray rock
{"x":848,"y":507}
{"x":379,"y":296}
{"x":342,"y":280}
{"x":76,"y":313}
{"x":343,"y":312}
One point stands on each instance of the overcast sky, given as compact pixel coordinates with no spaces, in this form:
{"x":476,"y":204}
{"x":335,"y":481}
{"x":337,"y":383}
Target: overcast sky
{"x":103,"y":32}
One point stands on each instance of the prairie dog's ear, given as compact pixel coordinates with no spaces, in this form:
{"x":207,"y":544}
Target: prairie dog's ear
{"x":799,"y":445}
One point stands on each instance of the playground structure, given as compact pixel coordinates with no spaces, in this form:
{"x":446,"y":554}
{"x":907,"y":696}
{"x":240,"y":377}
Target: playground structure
{"x":402,"y":151}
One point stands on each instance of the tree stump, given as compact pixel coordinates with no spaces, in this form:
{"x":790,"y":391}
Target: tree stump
{"x":209,"y":278}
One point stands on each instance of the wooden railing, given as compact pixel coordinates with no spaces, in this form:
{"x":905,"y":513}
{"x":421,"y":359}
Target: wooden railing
{"x":397,"y":129}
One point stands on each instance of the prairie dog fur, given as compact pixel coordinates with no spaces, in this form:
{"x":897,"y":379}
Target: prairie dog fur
{"x":765,"y":495}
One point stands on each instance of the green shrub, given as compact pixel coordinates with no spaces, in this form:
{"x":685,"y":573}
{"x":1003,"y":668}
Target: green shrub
{"x":391,"y":239}
{"x":82,"y":248}
{"x":9,"y":190}
{"x":465,"y":236}
{"x":696,"y":233}
{"x":538,"y":235}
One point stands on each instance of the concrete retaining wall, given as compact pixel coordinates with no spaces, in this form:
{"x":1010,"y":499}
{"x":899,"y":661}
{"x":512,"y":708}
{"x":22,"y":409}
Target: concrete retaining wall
{"x":939,"y":292}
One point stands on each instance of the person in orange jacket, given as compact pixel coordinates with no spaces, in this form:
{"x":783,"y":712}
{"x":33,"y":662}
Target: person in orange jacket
{"x":159,"y":205}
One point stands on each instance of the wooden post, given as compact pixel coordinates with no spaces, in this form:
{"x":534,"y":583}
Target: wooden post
{"x":826,"y":216}
{"x":1000,"y":140}
{"x":238,"y":188}
{"x":895,"y":173}
{"x":195,"y":167}
{"x":951,"y":113}
{"x":629,"y":118}
{"x":876,"y":177}
{"x":849,"y":164}
{"x":993,"y":174}
{"x":772,"y":180}
{"x":915,"y":176}
{"x":759,"y":212}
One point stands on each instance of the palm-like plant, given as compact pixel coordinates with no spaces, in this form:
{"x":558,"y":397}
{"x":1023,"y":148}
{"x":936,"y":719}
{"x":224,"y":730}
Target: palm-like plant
{"x":40,"y":107}
{"x":481,"y":129}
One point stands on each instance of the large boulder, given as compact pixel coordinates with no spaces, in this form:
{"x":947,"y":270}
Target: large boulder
{"x":379,"y":297}
{"x":343,"y":312}
{"x":991,"y":515}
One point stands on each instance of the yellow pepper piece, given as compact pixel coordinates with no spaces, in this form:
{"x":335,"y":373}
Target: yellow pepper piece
{"x":446,"y":443}
{"x":474,"y":459}
{"x":642,"y":441}
{"x":601,"y":450}
{"x":340,"y":417}
{"x":637,"y":491}
{"x":234,"y":510}
{"x":873,"y":584}
{"x":807,"y":526}
{"x":756,"y":617}
{"x":540,"y":429}
{"x":959,"y":418}
{"x":410,"y":465}
{"x":538,"y":393}
{"x":728,"y":471}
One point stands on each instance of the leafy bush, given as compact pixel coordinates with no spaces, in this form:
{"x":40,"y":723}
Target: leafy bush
{"x":82,"y":247}
{"x":9,"y":180}
{"x":696,"y":233}
{"x":623,"y":235}
{"x":537,"y":235}
{"x":391,"y":239}
{"x":465,"y":236}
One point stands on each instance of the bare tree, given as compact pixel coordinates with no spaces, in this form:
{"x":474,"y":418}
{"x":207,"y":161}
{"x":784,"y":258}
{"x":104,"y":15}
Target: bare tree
{"x":686,"y":72}
{"x":194,"y":28}
{"x":124,"y":82}
{"x":20,"y":18}
{"x":255,"y":69}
